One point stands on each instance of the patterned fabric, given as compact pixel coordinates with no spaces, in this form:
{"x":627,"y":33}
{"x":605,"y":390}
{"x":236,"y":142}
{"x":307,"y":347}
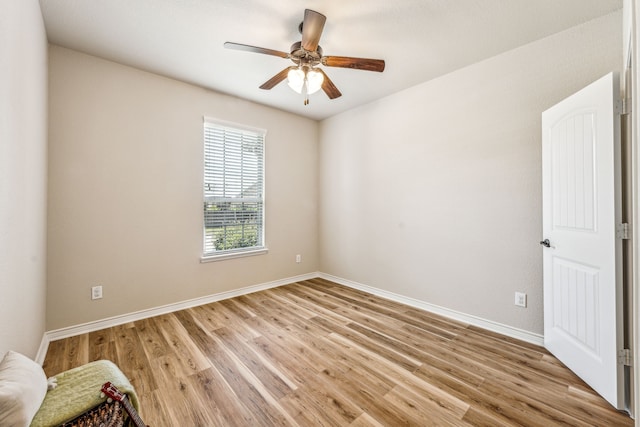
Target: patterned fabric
{"x":108,"y":414}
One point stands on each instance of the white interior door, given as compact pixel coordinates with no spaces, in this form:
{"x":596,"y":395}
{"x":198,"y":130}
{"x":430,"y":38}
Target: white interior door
{"x":583,"y":324}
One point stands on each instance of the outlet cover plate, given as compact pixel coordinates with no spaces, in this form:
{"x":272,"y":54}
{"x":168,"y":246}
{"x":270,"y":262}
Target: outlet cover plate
{"x":521,"y":299}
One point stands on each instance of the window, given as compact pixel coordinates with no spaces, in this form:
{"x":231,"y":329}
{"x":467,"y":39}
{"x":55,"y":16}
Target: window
{"x":233,"y":189}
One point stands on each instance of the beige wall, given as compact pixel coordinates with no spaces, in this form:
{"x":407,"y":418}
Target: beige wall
{"x":434,"y":193}
{"x":23,"y":171}
{"x":125,"y":191}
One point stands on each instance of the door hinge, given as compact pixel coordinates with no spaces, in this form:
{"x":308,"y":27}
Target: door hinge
{"x":624,"y":357}
{"x":623,"y":106}
{"x":622,"y":231}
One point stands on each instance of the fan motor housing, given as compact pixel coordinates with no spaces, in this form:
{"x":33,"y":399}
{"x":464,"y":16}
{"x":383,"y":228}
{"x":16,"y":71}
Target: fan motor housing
{"x":300,"y":55}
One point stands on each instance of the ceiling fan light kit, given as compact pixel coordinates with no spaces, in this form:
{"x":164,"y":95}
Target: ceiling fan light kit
{"x":306,"y":77}
{"x":305,"y":80}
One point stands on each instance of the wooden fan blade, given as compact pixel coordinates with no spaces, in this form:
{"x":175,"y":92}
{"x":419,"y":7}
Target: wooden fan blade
{"x":255,"y":49}
{"x":357,"y":63}
{"x":328,"y":87}
{"x":269,"y":84}
{"x":312,"y":29}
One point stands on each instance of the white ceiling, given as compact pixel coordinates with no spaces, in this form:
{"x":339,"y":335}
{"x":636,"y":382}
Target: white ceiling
{"x":419,"y":39}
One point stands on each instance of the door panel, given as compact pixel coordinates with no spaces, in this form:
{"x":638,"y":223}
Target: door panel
{"x":573,"y":185}
{"x":576,"y":316}
{"x":582,"y":263}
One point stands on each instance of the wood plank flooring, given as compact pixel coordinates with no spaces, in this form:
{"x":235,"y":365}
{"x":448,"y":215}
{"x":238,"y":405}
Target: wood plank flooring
{"x":316,"y":353}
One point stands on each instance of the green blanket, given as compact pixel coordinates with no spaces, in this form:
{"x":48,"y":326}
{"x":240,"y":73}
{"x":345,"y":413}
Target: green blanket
{"x":78,"y":391}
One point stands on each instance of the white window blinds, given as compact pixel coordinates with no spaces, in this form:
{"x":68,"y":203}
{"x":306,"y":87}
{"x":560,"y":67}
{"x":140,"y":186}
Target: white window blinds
{"x":233,"y":188}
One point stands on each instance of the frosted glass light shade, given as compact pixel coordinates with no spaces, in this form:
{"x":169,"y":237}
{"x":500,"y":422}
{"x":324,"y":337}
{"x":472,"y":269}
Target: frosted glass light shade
{"x":295,"y":79}
{"x":314,"y":81}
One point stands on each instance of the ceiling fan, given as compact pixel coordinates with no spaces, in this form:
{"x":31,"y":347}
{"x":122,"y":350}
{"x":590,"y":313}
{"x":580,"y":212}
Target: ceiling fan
{"x":306,"y":76}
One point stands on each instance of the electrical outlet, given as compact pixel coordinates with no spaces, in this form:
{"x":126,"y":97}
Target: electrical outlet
{"x":521,"y":299}
{"x":298,"y":258}
{"x":96,"y":292}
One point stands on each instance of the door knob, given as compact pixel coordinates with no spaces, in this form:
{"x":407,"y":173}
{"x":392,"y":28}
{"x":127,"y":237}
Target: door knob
{"x":546,"y":243}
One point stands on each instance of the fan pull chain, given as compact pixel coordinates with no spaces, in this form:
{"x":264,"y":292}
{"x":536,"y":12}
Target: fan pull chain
{"x":305,"y":92}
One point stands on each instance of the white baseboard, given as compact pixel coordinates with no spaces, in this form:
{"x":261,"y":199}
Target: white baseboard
{"x":157,"y":311}
{"x":84,"y":328}
{"x":42,"y":350}
{"x":490,"y":325}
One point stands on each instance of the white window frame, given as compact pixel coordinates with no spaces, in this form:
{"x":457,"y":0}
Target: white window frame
{"x":216,"y":189}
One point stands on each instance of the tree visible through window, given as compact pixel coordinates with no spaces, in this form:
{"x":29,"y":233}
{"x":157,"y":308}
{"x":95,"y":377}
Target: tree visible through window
{"x":233,"y":188}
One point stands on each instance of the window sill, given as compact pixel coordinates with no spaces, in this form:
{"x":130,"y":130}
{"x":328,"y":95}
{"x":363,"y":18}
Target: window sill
{"x":222,"y":257}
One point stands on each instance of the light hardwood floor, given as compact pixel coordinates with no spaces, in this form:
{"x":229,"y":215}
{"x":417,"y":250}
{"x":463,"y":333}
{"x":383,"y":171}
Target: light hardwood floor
{"x":316,"y":353}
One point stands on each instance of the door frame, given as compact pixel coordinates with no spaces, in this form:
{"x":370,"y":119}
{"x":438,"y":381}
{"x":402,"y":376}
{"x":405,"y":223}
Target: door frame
{"x":631,"y":55}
